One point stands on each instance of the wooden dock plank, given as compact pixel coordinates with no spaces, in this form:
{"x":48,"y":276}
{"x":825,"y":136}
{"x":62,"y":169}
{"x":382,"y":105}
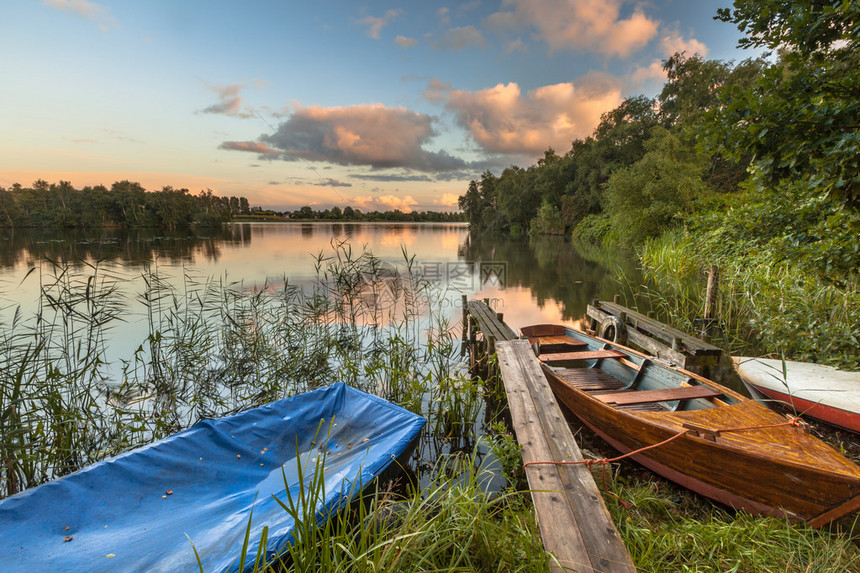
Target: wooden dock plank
{"x":575,"y":524}
{"x":488,"y":321}
{"x":659,"y":330}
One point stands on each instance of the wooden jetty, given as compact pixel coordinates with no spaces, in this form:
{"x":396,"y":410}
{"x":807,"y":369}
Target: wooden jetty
{"x":656,"y":338}
{"x":575,"y":525}
{"x":480,"y":319}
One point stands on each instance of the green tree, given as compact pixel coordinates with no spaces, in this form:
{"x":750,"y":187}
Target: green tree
{"x":801,"y":120}
{"x":651,"y":195}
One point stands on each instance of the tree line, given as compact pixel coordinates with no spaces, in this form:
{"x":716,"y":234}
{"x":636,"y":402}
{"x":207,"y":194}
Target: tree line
{"x":764,"y":153}
{"x":349,"y":213}
{"x":125,"y":204}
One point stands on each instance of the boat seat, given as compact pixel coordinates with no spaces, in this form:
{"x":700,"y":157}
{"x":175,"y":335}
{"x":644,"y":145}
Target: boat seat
{"x":664,"y":395}
{"x":557,"y":344}
{"x":585,"y":355}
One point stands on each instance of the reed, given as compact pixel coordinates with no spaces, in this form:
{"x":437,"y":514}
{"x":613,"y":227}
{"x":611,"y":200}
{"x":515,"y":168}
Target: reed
{"x":765,"y":304}
{"x":210,"y":347}
{"x":451,"y":524}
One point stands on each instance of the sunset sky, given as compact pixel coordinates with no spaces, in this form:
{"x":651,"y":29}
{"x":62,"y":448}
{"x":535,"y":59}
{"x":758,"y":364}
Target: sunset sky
{"x":369,"y":103}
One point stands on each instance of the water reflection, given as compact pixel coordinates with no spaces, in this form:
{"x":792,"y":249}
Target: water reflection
{"x":70,"y":246}
{"x":554,"y":272}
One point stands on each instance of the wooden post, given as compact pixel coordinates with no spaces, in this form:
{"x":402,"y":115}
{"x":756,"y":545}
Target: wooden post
{"x":616,"y":299}
{"x":711,"y":292}
{"x":465,"y":301}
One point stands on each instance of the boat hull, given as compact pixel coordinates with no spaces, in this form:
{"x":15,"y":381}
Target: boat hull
{"x":813,"y":390}
{"x":777,"y":469}
{"x":142,"y":510}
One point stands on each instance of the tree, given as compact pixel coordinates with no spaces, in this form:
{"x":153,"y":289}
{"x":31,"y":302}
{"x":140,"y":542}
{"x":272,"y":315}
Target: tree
{"x":801,"y":120}
{"x":648,"y":197}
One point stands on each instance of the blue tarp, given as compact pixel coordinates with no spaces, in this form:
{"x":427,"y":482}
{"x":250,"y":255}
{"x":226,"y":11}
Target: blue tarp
{"x":117,"y":515}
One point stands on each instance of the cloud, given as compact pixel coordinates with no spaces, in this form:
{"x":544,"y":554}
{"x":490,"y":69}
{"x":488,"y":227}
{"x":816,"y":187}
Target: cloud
{"x":405,"y":42}
{"x":332,"y":183}
{"x":230,"y":102}
{"x":457,"y":39}
{"x":578,"y":25}
{"x":250,"y":146}
{"x":89,"y":10}
{"x":385,"y":203}
{"x":447,"y":200}
{"x":389,"y":178}
{"x":674,"y":42}
{"x":643,"y":75}
{"x":372,"y":135}
{"x":503,"y":120}
{"x":374,"y":25}
{"x":444,"y":15}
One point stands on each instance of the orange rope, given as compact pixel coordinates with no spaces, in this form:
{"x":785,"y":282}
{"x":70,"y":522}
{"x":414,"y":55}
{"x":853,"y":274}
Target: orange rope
{"x":604,"y":461}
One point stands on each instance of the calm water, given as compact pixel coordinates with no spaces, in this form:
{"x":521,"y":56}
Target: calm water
{"x":546,"y":280}
{"x":538,"y":281}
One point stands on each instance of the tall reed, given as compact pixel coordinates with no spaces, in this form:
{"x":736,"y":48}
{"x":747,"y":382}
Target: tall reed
{"x":209,"y":347}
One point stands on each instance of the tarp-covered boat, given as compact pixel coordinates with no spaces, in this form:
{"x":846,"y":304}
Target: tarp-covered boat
{"x":815,"y":390}
{"x":708,"y":438}
{"x":138,"y":511}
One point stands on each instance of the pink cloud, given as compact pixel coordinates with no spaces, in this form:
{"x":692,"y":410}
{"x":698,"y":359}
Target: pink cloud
{"x":85,"y":9}
{"x":405,"y":42}
{"x":674,"y":43}
{"x":230,"y":102}
{"x":385,"y":203}
{"x":457,"y":39}
{"x":579,"y":25}
{"x":653,"y":72}
{"x":375,"y":24}
{"x":503,"y":120}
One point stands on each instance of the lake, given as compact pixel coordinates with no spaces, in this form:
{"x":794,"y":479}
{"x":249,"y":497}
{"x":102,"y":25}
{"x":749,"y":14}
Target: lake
{"x":531,"y":281}
{"x":112,"y":338}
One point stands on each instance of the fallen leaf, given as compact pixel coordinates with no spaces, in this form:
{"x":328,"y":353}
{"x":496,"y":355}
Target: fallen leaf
{"x":169,"y":492}
{"x":67,"y":528}
{"x":109,"y":555}
{"x":69,"y":538}
{"x":238,"y":456}
{"x":365,"y":440}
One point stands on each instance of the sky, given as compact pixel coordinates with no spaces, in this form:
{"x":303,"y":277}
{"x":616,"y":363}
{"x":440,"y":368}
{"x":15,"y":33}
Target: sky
{"x":374,"y":104}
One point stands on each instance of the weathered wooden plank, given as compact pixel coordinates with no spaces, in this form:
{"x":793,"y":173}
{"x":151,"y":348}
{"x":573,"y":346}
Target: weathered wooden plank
{"x":585,"y":355}
{"x":575,"y":524}
{"x":645,"y":342}
{"x":489,"y":322}
{"x":660,"y":330}
{"x":664,"y":395}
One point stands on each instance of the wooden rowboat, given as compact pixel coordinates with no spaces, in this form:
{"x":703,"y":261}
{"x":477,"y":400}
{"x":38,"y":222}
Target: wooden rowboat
{"x":718,"y":442}
{"x":814,"y":390}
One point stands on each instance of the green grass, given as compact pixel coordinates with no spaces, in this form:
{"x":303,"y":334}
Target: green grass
{"x":667,"y":529}
{"x":765,"y":304}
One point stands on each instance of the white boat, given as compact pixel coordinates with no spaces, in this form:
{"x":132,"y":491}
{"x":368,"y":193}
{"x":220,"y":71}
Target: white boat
{"x":822,"y":392}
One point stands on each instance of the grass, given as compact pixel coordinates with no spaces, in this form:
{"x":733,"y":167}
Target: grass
{"x":669,"y":529}
{"x":764,"y":306}
{"x":453,"y":524}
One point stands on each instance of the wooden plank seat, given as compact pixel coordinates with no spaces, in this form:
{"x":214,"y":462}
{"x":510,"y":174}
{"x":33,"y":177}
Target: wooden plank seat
{"x":586,"y":355}
{"x":631,"y":397}
{"x":556,"y":344}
